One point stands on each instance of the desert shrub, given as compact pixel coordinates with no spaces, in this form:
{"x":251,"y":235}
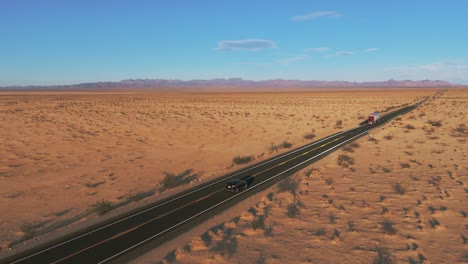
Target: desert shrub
{"x":339,"y":124}
{"x":329,"y":181}
{"x":102,"y":207}
{"x":286,"y":144}
{"x":273,"y":147}
{"x":355,"y":145}
{"x":320,"y":232}
{"x":332,"y":217}
{"x":431,"y":208}
{"x":258,"y":222}
{"x":405,"y":165}
{"x":292,"y":210}
{"x":345,"y":161}
{"x":465,"y":240}
{"x":434,"y":180}
{"x":388,"y":137}
{"x":140,"y":195}
{"x":387,"y":227}
{"x":434,"y":223}
{"x":336,"y":233}
{"x":242,"y":159}
{"x":399,"y":188}
{"x":29,"y":230}
{"x":351,"y":226}
{"x":436,"y":123}
{"x":347,"y":148}
{"x":289,"y":185}
{"x":309,"y":136}
{"x":172,"y":180}
{"x":460,"y":131}
{"x":261,"y":259}
{"x":465,"y":214}
{"x":384,"y":256}
{"x":409,"y":126}
{"x":226,"y":246}
{"x":268,"y":231}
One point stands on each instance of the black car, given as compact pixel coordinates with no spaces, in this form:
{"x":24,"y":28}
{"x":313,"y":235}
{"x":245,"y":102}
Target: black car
{"x":235,"y":185}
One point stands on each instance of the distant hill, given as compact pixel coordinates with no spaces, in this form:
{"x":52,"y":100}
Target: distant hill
{"x":237,"y":82}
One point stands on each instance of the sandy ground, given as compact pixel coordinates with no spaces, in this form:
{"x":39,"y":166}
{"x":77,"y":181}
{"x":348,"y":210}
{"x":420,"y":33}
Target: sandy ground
{"x":63,"y":152}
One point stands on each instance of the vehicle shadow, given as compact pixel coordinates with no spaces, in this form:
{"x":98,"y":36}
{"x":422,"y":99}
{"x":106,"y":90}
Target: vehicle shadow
{"x":249,"y":179}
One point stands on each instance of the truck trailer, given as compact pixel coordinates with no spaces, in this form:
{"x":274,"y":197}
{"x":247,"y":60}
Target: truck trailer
{"x":373,"y":118}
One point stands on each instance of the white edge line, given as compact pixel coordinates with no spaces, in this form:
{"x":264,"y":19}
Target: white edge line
{"x":216,"y":205}
{"x":158,"y":205}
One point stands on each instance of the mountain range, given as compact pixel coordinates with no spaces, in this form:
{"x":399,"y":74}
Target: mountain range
{"x":238,"y":82}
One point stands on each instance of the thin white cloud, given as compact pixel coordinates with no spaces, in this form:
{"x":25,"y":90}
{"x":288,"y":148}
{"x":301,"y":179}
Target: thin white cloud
{"x":315,"y":15}
{"x":317,"y":50}
{"x":341,"y":53}
{"x":245,"y":44}
{"x":294,"y":59}
{"x":371,"y":49}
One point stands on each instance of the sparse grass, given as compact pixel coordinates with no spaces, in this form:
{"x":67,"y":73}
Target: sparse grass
{"x":345,"y":161}
{"x":102,"y":207}
{"x":388,"y":228}
{"x":172,"y":180}
{"x":400,"y":189}
{"x":384,"y":256}
{"x":237,"y":160}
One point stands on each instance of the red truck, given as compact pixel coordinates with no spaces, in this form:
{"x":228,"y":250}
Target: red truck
{"x":373,"y":118}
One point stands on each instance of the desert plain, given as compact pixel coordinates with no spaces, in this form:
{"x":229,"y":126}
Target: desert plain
{"x":402,"y":194}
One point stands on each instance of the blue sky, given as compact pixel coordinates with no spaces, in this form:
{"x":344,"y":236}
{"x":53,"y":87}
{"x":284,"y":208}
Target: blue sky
{"x":46,"y":42}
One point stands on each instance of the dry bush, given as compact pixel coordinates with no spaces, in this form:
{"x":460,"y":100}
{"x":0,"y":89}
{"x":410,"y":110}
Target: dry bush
{"x":172,"y":180}
{"x":436,"y":123}
{"x":460,"y":131}
{"x":289,"y":184}
{"x":409,"y":126}
{"x":345,"y":161}
{"x":387,"y":227}
{"x":102,"y":207}
{"x":384,"y":256}
{"x":237,"y":160}
{"x":309,"y":136}
{"x":399,"y":188}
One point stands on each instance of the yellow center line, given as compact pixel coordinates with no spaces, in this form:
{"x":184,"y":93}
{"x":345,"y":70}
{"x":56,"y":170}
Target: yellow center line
{"x":303,"y":154}
{"x":160,"y":216}
{"x":134,"y":228}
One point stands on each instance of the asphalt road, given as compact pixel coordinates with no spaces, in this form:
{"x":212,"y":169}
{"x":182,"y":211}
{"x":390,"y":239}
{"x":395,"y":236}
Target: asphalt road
{"x":119,"y":240}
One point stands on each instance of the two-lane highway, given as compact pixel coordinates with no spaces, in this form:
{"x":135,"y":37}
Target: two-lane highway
{"x":116,"y":241}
